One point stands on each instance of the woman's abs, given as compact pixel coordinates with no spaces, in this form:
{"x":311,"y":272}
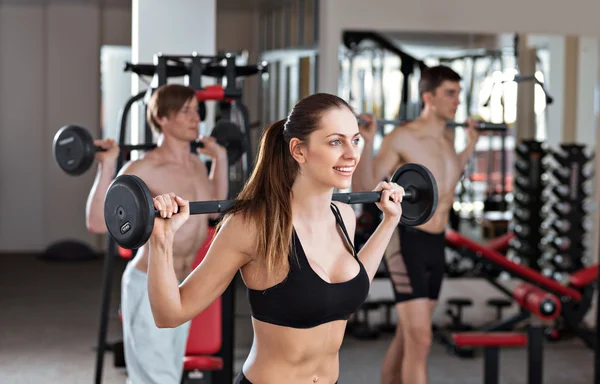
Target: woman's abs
{"x":289,"y":355}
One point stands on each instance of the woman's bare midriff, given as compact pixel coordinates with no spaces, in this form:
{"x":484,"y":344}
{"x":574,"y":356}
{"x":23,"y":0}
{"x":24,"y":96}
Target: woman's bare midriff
{"x":290,"y":355}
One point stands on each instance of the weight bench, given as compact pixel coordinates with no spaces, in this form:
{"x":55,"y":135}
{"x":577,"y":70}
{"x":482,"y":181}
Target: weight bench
{"x":491,"y":342}
{"x":545,"y":306}
{"x":500,"y":243}
{"x":576,"y":297}
{"x":205,"y":334}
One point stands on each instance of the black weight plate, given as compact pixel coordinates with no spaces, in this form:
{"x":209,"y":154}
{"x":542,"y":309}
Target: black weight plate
{"x":73,"y":149}
{"x":419,"y":177}
{"x":231,"y":137}
{"x":129,"y":211}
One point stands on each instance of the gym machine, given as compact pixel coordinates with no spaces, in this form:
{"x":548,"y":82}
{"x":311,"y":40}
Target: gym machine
{"x":193,"y":67}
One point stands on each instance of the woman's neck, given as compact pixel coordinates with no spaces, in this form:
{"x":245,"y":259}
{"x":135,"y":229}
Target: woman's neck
{"x":310,"y":201}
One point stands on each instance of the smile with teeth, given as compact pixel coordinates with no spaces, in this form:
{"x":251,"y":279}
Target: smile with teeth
{"x":344,"y":169}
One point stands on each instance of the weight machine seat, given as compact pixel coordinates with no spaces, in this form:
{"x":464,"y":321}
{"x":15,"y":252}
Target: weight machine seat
{"x":584,"y":276}
{"x":500,"y":243}
{"x":460,"y":301}
{"x":490,"y":339}
{"x":493,"y":302}
{"x":206,"y":329}
{"x":205,"y":334}
{"x":456,"y":240}
{"x":202,"y":363}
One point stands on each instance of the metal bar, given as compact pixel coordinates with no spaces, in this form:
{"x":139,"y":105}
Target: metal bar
{"x":262,"y":32}
{"x":301,"y":8}
{"x":490,"y":365}
{"x":315,"y":11}
{"x":277,"y":29}
{"x":287,"y":25}
{"x":535,"y":354}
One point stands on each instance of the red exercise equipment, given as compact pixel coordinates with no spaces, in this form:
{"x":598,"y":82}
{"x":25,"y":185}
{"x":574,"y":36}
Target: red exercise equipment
{"x":205,"y":335}
{"x":545,"y":306}
{"x":575,"y":298}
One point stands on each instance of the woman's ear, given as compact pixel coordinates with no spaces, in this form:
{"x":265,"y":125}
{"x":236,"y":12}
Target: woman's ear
{"x":297,"y":150}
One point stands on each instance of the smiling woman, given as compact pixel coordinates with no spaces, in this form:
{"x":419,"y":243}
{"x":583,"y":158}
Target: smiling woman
{"x":292,"y":244}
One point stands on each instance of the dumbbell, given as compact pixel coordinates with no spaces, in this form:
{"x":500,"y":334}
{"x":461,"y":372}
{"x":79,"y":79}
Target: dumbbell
{"x":74,"y":150}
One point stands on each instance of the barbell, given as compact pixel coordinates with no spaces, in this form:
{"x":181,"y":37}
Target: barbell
{"x":129,"y":211}
{"x":73,"y":146}
{"x":481,"y":125}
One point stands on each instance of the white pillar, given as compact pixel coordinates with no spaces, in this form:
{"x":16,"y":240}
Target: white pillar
{"x":586,"y":91}
{"x":555,"y":84}
{"x":178,"y":27}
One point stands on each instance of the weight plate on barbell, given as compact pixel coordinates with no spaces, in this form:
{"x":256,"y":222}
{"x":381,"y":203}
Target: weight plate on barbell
{"x":129,"y":211}
{"x":73,"y":149}
{"x":419,"y":177}
{"x":229,"y":135}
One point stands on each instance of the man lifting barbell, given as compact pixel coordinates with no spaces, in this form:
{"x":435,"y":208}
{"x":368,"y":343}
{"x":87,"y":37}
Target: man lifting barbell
{"x":75,"y":149}
{"x":154,"y":355}
{"x":415,"y":258}
{"x":292,"y":244}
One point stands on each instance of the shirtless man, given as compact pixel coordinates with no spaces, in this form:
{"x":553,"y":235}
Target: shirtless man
{"x":154,"y":355}
{"x":418,"y":269}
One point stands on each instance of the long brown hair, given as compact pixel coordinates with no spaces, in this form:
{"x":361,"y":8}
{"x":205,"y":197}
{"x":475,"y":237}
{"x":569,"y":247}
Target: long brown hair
{"x":266,"y":196}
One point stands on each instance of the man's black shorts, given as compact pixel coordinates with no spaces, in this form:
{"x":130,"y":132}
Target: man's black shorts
{"x":416,"y":263}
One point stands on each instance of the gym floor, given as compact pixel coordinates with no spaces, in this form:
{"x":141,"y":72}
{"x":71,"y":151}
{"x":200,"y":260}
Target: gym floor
{"x":50,"y":316}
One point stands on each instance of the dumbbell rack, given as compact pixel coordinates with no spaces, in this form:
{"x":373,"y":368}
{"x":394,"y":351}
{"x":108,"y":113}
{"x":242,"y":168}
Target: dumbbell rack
{"x":565,"y":225}
{"x":530,"y":180}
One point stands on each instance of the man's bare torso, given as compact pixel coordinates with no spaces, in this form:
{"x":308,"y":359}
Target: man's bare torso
{"x":415,"y":144}
{"x":191,"y":183}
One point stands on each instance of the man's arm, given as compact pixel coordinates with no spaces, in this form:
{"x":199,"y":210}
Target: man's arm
{"x":94,"y":210}
{"x":463,"y":157}
{"x":219,"y":176}
{"x":371,"y":170}
{"x":107,"y":166}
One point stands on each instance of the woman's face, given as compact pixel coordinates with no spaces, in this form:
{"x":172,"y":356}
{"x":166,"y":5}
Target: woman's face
{"x":331,"y":152}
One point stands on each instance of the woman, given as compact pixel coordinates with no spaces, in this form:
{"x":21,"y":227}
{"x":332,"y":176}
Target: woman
{"x":291,"y":243}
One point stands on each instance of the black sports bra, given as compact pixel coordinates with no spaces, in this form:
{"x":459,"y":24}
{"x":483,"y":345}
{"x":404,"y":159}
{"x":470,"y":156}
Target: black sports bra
{"x":304,"y":299}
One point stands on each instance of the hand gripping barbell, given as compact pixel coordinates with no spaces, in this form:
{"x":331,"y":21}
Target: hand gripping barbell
{"x":129,"y":208}
{"x":73,"y":146}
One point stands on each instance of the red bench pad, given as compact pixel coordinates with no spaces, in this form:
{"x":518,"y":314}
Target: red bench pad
{"x":202,"y":363}
{"x":500,"y":243}
{"x":489,"y":339}
{"x":205,"y":336}
{"x":584,"y":277}
{"x":455,"y":239}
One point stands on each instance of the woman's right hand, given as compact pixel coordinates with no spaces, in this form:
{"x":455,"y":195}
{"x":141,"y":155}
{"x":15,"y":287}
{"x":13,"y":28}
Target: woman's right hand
{"x":391,"y":200}
{"x":173,"y":212}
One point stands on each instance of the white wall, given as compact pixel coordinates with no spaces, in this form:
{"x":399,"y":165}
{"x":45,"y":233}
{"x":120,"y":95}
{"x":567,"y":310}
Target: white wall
{"x":49,"y":76}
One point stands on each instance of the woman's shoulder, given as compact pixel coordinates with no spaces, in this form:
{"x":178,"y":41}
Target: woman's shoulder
{"x":347,"y":212}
